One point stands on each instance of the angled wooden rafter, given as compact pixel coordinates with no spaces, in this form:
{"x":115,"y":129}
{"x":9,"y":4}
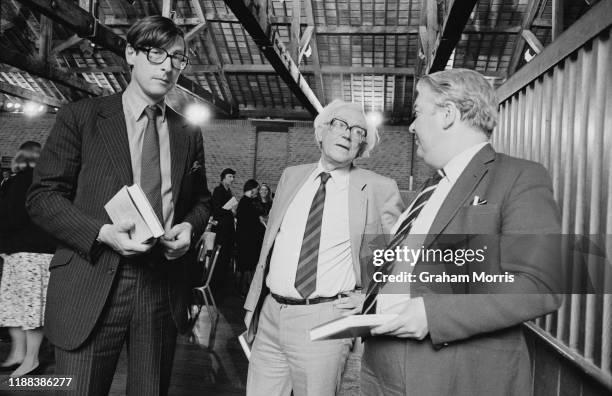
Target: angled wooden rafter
{"x":275,"y":52}
{"x":85,"y":25}
{"x":46,"y":70}
{"x":452,"y":27}
{"x":530,"y":15}
{"x":213,"y":53}
{"x":316,"y":63}
{"x":27,"y":94}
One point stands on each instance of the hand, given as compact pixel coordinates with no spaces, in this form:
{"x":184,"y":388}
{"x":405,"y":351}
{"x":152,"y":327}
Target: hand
{"x":177,"y":241}
{"x":117,"y":236}
{"x":411,"y":322}
{"x":351,"y":304}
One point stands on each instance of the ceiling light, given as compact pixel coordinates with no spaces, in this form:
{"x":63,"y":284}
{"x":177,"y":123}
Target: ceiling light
{"x":197,"y":113}
{"x":374,"y":118}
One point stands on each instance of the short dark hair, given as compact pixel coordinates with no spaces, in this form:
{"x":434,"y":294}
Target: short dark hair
{"x":154,"y":31}
{"x":227,"y":171}
{"x":29,"y":145}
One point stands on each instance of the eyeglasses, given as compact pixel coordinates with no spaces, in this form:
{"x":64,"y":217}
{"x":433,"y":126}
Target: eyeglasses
{"x":355,"y":130}
{"x":158,"y":56}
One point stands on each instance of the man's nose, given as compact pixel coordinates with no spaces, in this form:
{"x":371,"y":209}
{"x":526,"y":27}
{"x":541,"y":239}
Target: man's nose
{"x":411,"y":128}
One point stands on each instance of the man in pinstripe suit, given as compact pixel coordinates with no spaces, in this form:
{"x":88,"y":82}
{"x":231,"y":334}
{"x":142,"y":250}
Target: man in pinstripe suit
{"x":106,"y":289}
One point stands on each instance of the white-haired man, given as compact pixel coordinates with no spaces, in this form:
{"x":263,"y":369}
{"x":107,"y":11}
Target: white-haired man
{"x":462,"y":336}
{"x":309,"y":267}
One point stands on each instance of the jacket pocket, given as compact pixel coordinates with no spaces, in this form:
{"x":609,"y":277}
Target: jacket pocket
{"x":62,"y":257}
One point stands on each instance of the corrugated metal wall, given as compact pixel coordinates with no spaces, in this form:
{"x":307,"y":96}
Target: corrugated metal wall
{"x":563,"y":119}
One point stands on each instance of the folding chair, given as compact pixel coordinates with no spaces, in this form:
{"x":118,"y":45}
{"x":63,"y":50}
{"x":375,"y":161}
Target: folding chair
{"x":210,"y":261}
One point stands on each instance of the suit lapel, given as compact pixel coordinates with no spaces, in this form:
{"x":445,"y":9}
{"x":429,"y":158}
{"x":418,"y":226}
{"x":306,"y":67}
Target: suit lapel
{"x":357,"y":217}
{"x":113,"y":132}
{"x":461,"y":191}
{"x":179,"y":149}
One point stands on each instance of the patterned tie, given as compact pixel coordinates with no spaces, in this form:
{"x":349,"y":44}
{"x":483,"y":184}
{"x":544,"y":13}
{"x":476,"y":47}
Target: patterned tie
{"x":369,"y":305}
{"x":306,"y":274}
{"x":150,"y":171}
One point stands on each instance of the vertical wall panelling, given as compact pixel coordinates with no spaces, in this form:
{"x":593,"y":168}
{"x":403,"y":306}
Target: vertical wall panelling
{"x":560,"y":116}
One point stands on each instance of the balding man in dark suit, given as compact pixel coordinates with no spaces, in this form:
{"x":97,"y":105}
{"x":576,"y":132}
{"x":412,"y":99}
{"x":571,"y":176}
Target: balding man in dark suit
{"x":456,"y":335}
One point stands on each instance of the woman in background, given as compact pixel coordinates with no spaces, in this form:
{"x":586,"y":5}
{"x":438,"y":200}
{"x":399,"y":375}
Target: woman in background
{"x":264,"y":204}
{"x":249,"y":234}
{"x":26,"y":251}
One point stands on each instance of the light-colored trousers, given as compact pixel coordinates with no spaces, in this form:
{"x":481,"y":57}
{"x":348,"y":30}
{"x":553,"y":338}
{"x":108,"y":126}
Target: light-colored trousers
{"x":284,"y":359}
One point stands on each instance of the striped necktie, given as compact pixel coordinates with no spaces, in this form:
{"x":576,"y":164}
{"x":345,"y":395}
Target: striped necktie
{"x":306,"y":274}
{"x":369,"y":305}
{"x":150,"y":171}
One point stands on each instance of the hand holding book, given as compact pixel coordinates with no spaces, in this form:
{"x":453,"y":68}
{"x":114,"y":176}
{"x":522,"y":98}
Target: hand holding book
{"x":117,"y":236}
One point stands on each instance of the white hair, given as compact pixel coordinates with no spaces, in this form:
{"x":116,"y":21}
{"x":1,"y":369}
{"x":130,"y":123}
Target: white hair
{"x":331,"y":111}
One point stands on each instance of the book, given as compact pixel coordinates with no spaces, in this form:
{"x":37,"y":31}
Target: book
{"x":246,"y":347}
{"x":349,"y":326}
{"x":131,"y":203}
{"x":231,"y":204}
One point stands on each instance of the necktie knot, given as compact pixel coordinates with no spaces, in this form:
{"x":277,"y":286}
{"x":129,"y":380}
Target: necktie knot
{"x":324,"y":177}
{"x":152,"y":112}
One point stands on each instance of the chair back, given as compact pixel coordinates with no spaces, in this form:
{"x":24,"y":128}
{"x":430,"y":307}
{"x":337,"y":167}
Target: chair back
{"x":209,"y":268}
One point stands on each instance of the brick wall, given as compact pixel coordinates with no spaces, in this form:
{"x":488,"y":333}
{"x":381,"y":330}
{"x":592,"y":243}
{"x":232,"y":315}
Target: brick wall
{"x":261,"y":155}
{"x":229,"y":144}
{"x":17,"y":128}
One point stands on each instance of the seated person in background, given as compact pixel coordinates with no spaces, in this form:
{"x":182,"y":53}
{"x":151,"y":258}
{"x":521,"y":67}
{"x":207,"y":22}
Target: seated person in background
{"x":309,"y":270}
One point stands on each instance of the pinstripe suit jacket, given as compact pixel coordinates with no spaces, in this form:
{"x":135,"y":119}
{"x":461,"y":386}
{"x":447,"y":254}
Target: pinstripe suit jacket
{"x":85,"y":161}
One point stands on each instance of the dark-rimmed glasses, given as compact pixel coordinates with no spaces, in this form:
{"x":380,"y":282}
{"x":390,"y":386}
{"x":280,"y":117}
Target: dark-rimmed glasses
{"x":158,"y":56}
{"x":355,"y":130}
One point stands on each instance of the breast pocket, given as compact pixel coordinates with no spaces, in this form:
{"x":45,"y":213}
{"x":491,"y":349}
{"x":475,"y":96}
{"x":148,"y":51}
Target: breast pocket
{"x":481,"y":219}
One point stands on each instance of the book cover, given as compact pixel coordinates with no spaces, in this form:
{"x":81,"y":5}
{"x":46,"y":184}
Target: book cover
{"x":246,"y":347}
{"x":349,"y":326}
{"x":130,"y":203}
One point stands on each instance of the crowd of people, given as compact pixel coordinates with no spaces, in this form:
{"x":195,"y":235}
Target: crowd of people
{"x":303,"y":257}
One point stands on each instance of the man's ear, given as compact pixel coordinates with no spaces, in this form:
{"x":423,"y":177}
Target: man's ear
{"x":130,"y":54}
{"x":450,"y":114}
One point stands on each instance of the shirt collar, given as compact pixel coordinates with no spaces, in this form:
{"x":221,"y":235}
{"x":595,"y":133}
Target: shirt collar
{"x":338,"y":176}
{"x":453,"y":169}
{"x":136,"y":104}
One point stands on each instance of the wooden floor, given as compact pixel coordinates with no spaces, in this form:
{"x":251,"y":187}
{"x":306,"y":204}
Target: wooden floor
{"x":218,"y":367}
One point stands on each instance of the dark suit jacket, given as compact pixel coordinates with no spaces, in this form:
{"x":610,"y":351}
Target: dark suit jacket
{"x":475,"y":344}
{"x":85,"y":161}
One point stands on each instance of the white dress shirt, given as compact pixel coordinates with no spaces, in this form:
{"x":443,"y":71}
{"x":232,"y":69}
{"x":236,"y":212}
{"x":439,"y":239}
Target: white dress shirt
{"x":136,"y":123}
{"x":335,"y":272}
{"x":393,"y":303}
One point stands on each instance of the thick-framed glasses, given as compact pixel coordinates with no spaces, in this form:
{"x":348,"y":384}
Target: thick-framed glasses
{"x":355,"y":130}
{"x":159,"y":55}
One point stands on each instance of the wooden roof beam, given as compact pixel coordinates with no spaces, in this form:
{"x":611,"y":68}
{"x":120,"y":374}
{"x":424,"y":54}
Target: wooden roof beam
{"x":316,"y":63}
{"x":266,"y":69}
{"x":27,"y":94}
{"x":49,"y":71}
{"x":532,"y":40}
{"x":530,"y":15}
{"x":213,"y":53}
{"x":274,"y":51}
{"x":452,"y":27}
{"x":85,"y":25}
{"x":73,"y":40}
{"x":367,"y":30}
{"x":557,"y":18}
